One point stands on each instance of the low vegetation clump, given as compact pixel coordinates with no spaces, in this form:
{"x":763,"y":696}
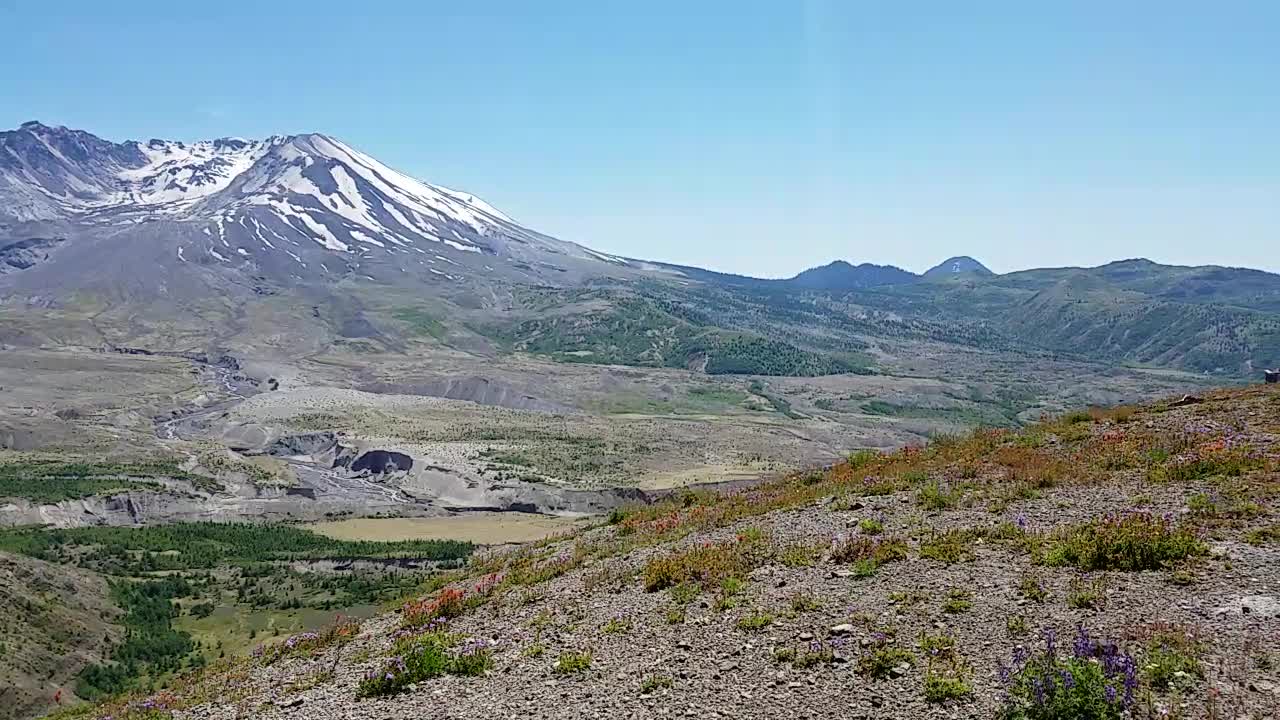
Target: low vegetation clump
{"x":937,"y":496}
{"x":309,"y":643}
{"x":1263,"y":536}
{"x":1087,"y":593}
{"x":799,"y":554}
{"x":755,"y":622}
{"x":706,"y":566}
{"x":1171,"y":656}
{"x":419,"y":658}
{"x":1213,"y":459}
{"x":1125,"y":541}
{"x":448,"y":603}
{"x":571,"y":662}
{"x":951,"y":546}
{"x":867,"y":554}
{"x":804,"y":602}
{"x":818,"y":652}
{"x":871,"y":526}
{"x":1015,"y":625}
{"x":881,"y":656}
{"x":472,"y":657}
{"x":616,"y":625}
{"x":958,"y":601}
{"x":1032,"y":467}
{"x":940,"y":645}
{"x":1091,"y":681}
{"x":654,"y":683}
{"x":945,"y":679}
{"x":1032,"y":588}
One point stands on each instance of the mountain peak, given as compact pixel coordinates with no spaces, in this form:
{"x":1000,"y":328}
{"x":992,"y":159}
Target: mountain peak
{"x":958,"y":265}
{"x":842,"y":275}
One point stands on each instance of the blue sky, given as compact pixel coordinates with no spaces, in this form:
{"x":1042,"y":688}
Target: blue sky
{"x":752,"y":137}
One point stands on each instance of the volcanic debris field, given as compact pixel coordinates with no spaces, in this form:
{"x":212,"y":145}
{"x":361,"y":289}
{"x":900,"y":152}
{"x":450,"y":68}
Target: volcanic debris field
{"x":1103,"y":564}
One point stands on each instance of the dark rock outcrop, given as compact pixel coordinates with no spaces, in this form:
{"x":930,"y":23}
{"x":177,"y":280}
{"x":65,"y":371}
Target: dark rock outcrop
{"x":22,"y":254}
{"x":381,"y":462}
{"x":305,"y":444}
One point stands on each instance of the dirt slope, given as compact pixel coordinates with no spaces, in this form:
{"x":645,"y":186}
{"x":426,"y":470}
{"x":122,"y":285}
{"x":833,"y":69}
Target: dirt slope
{"x":56,"y":621}
{"x":892,"y":586}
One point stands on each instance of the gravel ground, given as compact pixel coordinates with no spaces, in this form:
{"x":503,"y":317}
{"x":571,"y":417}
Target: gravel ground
{"x":717,"y":669}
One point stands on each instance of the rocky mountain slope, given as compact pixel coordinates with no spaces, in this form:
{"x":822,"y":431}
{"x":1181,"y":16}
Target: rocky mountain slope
{"x":1114,"y":563}
{"x":287,"y":209}
{"x":59,"y":620}
{"x":297,"y":244}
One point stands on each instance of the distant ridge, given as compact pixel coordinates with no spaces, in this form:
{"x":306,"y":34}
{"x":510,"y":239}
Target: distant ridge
{"x":959,"y":265}
{"x":840,"y":275}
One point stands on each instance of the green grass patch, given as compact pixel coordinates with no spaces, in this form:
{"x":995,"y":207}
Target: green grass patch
{"x":420,"y":322}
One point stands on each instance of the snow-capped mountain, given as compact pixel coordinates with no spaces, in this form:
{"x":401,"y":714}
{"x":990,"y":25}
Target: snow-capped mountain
{"x":289,"y":208}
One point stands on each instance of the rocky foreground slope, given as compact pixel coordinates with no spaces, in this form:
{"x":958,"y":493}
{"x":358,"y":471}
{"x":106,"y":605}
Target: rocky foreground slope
{"x":1117,"y":563}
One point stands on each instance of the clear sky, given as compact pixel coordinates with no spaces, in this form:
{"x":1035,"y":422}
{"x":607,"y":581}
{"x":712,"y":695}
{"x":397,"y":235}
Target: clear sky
{"x":751,"y":137}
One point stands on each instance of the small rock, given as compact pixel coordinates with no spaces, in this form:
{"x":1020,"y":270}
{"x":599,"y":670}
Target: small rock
{"x":899,"y":670}
{"x":292,"y":702}
{"x":795,"y":685}
{"x":842,"y":629}
{"x":683,"y":644}
{"x":728,"y":665}
{"x":806,"y":636}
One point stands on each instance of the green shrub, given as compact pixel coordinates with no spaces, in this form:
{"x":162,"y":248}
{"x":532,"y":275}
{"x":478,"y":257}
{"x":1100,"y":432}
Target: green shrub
{"x":473,"y":657}
{"x":958,"y":601}
{"x":1083,"y":593}
{"x":755,"y":622}
{"x":867,"y":553}
{"x":880,"y":658}
{"x":1171,"y":653}
{"x":862,"y":458}
{"x":654,"y":683}
{"x":572,"y":662}
{"x":1130,"y":541}
{"x":804,"y":602}
{"x":1015,"y":625}
{"x":936,"y":496}
{"x":941,"y":685}
{"x":1263,"y":536}
{"x":1089,"y":681}
{"x":422,"y":658}
{"x":1032,"y":588}
{"x":951,"y":546}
